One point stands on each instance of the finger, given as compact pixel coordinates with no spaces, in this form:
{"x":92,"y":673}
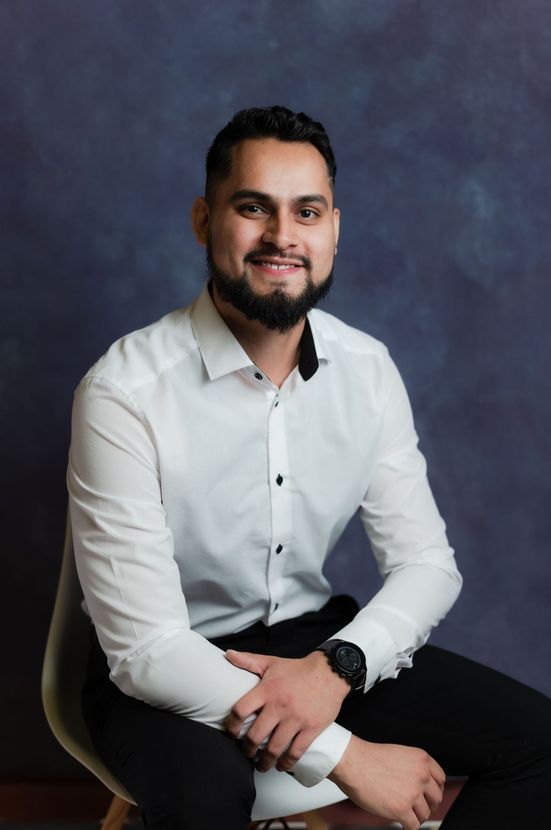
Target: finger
{"x":433,"y":794}
{"x":421,"y":809}
{"x":280,"y":740}
{"x":246,"y":706}
{"x":410,"y":821}
{"x":437,"y":773}
{"x":258,"y":736}
{"x":295,"y":751}
{"x":255,"y":663}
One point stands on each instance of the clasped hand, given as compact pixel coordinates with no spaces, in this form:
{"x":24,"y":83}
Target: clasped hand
{"x":295,"y":700}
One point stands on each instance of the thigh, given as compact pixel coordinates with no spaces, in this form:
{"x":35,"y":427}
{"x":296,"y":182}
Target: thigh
{"x":465,"y":715}
{"x":183,"y":774}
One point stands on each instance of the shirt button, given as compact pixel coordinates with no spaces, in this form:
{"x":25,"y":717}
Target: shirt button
{"x":276,"y":606}
{"x":279,"y":548}
{"x":279,"y":480}
{"x":276,"y":403}
{"x":258,"y":376}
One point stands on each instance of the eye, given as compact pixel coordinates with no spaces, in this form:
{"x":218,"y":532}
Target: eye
{"x":252,"y":210}
{"x":308,"y":213}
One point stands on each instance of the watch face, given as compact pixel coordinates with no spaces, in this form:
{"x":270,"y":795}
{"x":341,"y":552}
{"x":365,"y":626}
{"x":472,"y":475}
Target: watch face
{"x":348,"y":658}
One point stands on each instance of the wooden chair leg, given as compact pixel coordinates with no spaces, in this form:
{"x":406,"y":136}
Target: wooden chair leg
{"x":314,"y":820}
{"x":116,"y":814}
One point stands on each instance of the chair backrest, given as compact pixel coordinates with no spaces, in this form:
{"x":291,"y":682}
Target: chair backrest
{"x":64,"y":671}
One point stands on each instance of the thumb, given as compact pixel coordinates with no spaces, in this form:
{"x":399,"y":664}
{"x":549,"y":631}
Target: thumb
{"x":256,"y":663}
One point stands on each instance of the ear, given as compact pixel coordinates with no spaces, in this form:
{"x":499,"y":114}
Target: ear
{"x":200,"y":220}
{"x":336,"y":224}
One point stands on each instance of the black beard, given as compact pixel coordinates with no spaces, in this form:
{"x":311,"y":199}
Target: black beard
{"x":277,"y":310}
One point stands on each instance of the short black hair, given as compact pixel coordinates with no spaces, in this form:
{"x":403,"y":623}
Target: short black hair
{"x":265,"y":122}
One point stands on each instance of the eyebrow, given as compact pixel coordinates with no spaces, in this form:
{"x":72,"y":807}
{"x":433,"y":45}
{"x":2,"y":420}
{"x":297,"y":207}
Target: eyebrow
{"x":259,"y":196}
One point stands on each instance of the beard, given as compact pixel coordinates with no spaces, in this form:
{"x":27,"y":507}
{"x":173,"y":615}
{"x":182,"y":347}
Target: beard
{"x":277,"y":310}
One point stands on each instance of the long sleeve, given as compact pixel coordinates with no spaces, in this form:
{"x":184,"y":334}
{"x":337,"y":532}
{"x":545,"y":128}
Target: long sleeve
{"x":408,"y":538}
{"x":131,"y":581}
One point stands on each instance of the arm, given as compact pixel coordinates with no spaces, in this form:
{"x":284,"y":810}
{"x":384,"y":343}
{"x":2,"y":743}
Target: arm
{"x":131,"y":582}
{"x":408,"y":539}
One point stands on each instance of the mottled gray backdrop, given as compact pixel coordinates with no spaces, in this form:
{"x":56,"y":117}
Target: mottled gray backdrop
{"x":440,"y":114}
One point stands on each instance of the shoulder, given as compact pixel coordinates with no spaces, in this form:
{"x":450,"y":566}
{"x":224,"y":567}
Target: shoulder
{"x":337,"y":335}
{"x":142,"y":357}
{"x":360,"y":360}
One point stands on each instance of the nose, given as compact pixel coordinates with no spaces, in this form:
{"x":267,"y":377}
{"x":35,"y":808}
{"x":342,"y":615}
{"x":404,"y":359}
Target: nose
{"x":280,"y":231}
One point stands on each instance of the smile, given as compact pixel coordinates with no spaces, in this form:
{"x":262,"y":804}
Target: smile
{"x":273,"y":266}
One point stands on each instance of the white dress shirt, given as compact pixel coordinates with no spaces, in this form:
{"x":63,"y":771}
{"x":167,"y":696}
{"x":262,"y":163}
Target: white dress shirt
{"x":204,"y":499}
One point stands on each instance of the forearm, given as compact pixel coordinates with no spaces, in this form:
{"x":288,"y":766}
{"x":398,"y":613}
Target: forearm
{"x":186,"y":674}
{"x":398,"y":619}
{"x":408,"y":539}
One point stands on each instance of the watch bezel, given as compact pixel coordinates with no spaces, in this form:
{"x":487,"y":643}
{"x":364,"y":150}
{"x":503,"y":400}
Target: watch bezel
{"x":355,"y":678}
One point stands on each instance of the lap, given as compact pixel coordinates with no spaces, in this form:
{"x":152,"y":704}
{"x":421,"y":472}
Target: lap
{"x":461,"y":712}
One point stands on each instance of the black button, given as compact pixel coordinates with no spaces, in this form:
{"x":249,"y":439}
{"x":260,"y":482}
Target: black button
{"x":279,"y":480}
{"x":276,"y":403}
{"x":279,"y":548}
{"x":258,"y":376}
{"x":276,"y":606}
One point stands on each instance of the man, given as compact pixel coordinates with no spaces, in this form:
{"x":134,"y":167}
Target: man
{"x":216,"y":457}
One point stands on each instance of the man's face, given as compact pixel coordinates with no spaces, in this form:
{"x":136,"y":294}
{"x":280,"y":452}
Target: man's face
{"x":271,"y":231}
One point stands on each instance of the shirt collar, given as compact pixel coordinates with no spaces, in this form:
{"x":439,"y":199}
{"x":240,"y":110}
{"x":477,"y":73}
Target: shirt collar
{"x":308,"y":362}
{"x":222,"y":353}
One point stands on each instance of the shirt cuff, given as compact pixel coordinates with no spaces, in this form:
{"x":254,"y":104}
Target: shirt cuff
{"x":322,"y":755}
{"x":378,"y":646}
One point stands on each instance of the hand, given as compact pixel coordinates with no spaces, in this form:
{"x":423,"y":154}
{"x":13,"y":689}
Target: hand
{"x":395,"y":782}
{"x":295,"y":700}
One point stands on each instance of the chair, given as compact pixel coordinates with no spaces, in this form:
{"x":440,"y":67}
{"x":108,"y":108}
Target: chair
{"x":63,"y":674}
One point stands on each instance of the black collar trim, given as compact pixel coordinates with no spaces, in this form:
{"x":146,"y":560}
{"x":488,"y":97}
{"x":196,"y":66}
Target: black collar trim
{"x":308,"y":362}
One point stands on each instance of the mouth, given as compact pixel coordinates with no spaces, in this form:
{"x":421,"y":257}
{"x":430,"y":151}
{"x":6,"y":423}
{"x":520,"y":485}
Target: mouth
{"x":277,"y":265}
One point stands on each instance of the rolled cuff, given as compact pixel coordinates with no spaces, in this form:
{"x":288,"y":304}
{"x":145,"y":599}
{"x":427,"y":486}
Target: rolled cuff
{"x":323,"y":755}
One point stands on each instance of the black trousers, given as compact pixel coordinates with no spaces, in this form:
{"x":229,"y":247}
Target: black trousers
{"x":474,"y":721}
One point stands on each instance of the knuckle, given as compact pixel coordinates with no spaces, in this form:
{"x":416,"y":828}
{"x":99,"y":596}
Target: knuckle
{"x":285,"y":700}
{"x":237,"y":712}
{"x":402,"y":807}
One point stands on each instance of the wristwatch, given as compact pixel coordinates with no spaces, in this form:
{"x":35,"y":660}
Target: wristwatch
{"x":347,"y":660}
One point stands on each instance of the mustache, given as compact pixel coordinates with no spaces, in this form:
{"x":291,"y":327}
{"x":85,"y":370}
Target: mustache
{"x":271,"y":250}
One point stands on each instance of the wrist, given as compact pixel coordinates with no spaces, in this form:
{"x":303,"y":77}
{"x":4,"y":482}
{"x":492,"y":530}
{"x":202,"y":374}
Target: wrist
{"x":339,"y":772}
{"x":327,"y":676}
{"x":347,"y":660}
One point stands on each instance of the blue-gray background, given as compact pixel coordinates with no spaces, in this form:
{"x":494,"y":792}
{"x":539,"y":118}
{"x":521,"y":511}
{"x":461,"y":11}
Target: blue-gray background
{"x":439,"y":112}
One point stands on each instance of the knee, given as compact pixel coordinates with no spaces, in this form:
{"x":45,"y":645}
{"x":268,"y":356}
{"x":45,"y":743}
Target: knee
{"x":206,"y":792}
{"x":210,"y":809}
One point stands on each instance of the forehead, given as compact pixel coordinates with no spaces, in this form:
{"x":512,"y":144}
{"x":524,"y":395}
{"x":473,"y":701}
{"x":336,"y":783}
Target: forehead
{"x":280,"y":168}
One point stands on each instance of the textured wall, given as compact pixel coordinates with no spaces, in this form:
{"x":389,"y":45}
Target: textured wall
{"x":440,"y":116}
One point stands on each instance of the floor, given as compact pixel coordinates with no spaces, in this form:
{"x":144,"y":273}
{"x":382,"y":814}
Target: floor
{"x":139,"y":826}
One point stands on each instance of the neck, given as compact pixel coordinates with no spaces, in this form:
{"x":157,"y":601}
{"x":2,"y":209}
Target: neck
{"x":275,"y":353}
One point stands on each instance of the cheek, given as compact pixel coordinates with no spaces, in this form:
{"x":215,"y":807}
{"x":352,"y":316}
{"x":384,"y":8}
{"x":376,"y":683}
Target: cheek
{"x":325,"y":250}
{"x":234,"y":243}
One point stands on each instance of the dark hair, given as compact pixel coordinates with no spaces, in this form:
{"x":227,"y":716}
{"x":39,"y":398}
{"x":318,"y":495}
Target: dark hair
{"x":265,"y":122}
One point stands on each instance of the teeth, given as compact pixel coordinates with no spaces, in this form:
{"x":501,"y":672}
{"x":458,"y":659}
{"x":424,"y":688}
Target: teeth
{"x":276,"y":267}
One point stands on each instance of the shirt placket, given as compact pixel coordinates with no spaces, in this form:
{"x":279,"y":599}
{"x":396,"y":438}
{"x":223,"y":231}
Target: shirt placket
{"x":281,"y":505}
